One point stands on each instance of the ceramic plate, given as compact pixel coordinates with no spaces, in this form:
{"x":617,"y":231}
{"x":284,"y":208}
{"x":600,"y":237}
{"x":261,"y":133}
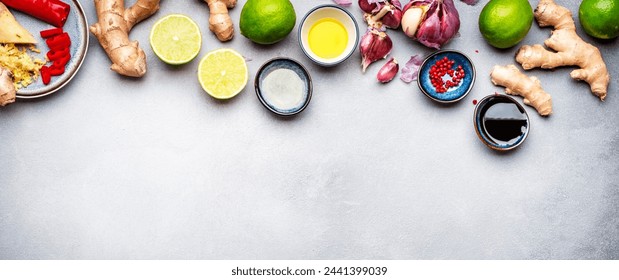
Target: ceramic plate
{"x":454,"y":94}
{"x":77,"y":28}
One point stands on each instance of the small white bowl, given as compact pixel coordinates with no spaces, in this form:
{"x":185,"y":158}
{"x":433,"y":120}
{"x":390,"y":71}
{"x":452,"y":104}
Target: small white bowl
{"x":329,"y":11}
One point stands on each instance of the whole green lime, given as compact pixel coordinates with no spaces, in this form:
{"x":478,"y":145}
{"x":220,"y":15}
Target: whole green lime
{"x":504,"y":23}
{"x":267,"y":21}
{"x":600,"y":18}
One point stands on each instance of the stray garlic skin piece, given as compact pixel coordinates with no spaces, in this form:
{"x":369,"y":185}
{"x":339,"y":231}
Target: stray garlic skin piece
{"x":388,"y":71}
{"x":411,"y":69}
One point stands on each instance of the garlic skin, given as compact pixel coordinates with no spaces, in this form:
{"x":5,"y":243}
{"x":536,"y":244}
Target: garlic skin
{"x":411,"y":69}
{"x":392,"y":19}
{"x":367,"y":7}
{"x":380,"y":13}
{"x":388,"y":71}
{"x":374,"y":45}
{"x":439,"y":22}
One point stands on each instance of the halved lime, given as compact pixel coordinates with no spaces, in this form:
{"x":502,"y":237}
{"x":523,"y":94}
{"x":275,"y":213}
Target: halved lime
{"x":176,"y":39}
{"x":222,"y":73}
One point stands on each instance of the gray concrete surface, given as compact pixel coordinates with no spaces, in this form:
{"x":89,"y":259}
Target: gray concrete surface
{"x":153,"y":168}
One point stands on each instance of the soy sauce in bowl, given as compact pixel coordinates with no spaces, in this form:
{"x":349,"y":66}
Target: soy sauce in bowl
{"x":501,"y":122}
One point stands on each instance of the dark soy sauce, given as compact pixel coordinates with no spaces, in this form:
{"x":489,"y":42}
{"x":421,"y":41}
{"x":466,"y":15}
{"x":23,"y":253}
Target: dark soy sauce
{"x":503,"y":121}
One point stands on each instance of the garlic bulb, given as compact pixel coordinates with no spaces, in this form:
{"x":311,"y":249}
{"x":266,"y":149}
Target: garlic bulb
{"x":431,"y":22}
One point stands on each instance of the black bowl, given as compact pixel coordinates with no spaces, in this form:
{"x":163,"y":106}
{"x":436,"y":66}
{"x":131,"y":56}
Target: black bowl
{"x":501,"y":123}
{"x":283,"y":63}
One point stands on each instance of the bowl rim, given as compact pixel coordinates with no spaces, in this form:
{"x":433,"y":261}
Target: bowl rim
{"x":425,"y":61}
{"x":300,"y":39}
{"x":478,"y":131}
{"x":310,"y":88}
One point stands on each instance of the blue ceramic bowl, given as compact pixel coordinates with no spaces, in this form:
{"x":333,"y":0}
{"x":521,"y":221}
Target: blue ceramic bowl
{"x":518,"y":110}
{"x":283,"y":63}
{"x":454,"y":94}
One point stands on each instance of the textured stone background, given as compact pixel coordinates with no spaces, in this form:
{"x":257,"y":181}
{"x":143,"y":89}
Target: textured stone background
{"x":117,"y":168}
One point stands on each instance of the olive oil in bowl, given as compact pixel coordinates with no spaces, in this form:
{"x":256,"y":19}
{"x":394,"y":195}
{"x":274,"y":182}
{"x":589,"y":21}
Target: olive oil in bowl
{"x":328,"y":35}
{"x":328,"y":38}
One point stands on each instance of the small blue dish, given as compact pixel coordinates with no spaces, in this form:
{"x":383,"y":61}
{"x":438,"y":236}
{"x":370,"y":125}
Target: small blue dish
{"x":270,"y":101}
{"x":453,"y":94}
{"x":501,"y":123}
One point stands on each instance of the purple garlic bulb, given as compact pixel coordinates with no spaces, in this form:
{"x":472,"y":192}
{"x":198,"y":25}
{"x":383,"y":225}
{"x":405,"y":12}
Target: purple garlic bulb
{"x":431,"y":22}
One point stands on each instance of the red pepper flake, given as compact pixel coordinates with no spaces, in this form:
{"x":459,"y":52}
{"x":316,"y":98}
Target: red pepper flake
{"x":56,"y":71}
{"x":59,"y":42}
{"x":444,"y":67}
{"x":51,"y":32}
{"x":57,"y":54}
{"x":476,"y":51}
{"x":45,"y":75}
{"x":61,"y":62}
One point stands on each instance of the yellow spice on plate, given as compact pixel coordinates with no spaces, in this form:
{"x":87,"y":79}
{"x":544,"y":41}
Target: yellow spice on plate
{"x":24,"y":67}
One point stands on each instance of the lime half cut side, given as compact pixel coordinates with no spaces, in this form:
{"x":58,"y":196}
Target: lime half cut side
{"x":176,"y":39}
{"x":223,"y":73}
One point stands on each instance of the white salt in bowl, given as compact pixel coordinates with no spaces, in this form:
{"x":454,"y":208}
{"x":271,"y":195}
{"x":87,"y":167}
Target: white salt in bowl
{"x":286,"y":99}
{"x":339,"y":14}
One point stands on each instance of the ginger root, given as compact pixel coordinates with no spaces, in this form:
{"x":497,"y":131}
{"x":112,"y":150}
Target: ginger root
{"x":113,"y":28}
{"x":571,"y":49}
{"x":7,"y":88}
{"x":517,"y":83}
{"x":219,"y":21}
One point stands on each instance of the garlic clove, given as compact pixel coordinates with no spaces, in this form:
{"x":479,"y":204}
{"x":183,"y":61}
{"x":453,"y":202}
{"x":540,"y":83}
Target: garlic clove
{"x":374,"y":45}
{"x":393,"y":19}
{"x":411,"y":19}
{"x":388,"y":71}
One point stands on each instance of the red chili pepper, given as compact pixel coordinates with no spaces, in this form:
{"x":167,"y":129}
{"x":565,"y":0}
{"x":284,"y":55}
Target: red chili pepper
{"x":61,"y":62}
{"x":59,"y":42}
{"x":54,"y":12}
{"x":56,"y":54}
{"x":45,"y":75}
{"x":51,"y":32}
{"x":56,"y":71}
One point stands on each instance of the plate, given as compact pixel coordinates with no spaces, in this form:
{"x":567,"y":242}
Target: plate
{"x":456,"y":93}
{"x":283,"y":63}
{"x":77,"y":28}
